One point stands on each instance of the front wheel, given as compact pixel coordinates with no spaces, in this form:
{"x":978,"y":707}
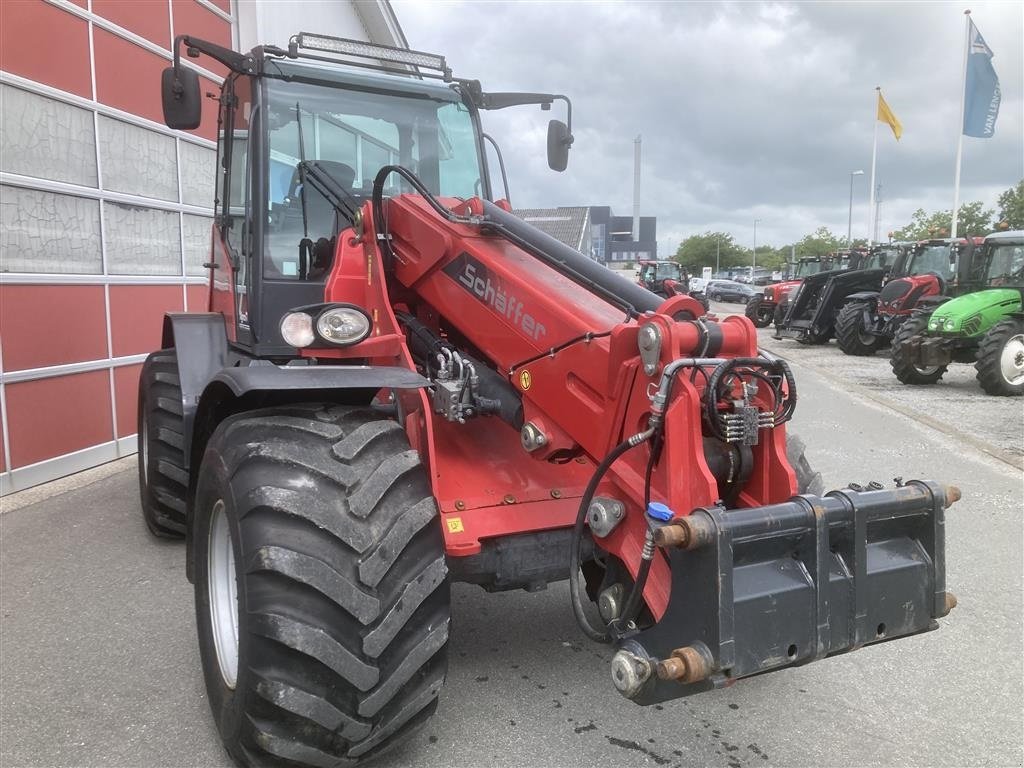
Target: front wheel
{"x":163,"y":479}
{"x":758,"y":313}
{"x":321,"y":589}
{"x":1000,"y":366}
{"x":851,"y":335}
{"x":902,"y":365}
{"x":807,"y":480}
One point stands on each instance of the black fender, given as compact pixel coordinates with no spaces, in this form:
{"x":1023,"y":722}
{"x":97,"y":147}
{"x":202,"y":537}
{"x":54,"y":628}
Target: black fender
{"x":868,"y":296}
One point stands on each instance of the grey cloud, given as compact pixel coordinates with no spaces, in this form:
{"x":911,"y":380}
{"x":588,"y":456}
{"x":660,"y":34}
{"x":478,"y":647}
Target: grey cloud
{"x":747,"y":110}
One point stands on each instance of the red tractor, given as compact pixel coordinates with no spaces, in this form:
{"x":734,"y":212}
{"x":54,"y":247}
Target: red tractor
{"x":399,"y":384}
{"x":764,"y":308}
{"x":668,"y":278}
{"x":926,"y":274}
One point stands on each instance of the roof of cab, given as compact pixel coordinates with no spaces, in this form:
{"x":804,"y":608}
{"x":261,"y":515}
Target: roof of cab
{"x":339,"y":74}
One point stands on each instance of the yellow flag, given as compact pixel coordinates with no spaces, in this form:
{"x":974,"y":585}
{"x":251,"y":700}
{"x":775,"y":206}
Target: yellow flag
{"x":885,"y":115}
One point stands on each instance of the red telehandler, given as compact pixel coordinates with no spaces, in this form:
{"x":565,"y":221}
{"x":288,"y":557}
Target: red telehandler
{"x":399,"y":384}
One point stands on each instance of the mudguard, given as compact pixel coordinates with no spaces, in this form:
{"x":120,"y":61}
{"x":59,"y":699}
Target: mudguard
{"x":211,"y":372}
{"x":864,"y":296}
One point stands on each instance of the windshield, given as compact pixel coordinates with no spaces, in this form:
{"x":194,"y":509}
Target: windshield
{"x":666,"y":272}
{"x":350,"y":135}
{"x":1006,"y":265}
{"x":931,"y":258}
{"x":880,"y":259}
{"x":805,"y":268}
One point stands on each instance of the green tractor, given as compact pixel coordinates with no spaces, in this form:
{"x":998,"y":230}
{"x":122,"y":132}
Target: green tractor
{"x":985,"y":327}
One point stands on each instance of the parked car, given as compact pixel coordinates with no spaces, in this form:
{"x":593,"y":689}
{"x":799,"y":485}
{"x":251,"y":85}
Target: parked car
{"x":729,"y":291}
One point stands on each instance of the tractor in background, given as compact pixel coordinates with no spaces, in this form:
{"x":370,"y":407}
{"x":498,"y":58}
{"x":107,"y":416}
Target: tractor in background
{"x":399,"y":384}
{"x":984,"y":327}
{"x":764,"y":308}
{"x":811,"y":311}
{"x":668,"y":278}
{"x":926,"y":274}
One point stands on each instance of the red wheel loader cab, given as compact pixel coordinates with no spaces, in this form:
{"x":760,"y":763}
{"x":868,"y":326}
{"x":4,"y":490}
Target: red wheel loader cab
{"x":399,"y":384}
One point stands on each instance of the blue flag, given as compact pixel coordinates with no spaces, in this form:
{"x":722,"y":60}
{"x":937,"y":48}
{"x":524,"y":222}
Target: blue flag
{"x":981,"y":89}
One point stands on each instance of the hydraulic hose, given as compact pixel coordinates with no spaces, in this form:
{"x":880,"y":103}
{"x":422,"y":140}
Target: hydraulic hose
{"x":598,"y":635}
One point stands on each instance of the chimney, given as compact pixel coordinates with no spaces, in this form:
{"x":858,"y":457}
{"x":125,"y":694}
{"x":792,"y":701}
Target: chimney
{"x":636,"y":188}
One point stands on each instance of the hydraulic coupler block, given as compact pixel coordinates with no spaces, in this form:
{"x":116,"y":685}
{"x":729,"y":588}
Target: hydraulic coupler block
{"x":758,"y":589}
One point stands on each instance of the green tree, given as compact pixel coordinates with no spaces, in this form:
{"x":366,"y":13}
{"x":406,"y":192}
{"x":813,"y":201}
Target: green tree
{"x":1011,"y":206}
{"x":974,"y":219}
{"x":818,"y":243}
{"x":701,"y":250}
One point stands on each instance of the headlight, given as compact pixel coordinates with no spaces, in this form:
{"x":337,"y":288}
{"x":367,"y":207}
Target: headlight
{"x":933,"y":325}
{"x":297,"y":329}
{"x":769,"y":293}
{"x":343,"y":325}
{"x":951,"y":325}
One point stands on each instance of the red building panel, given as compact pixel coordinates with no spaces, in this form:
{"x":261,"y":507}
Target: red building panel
{"x":190,"y":18}
{"x":150,"y":20}
{"x":126,"y":394}
{"x":45,"y":325}
{"x":52,"y":417}
{"x":137,"y":316}
{"x":43,"y":43}
{"x":224,"y":5}
{"x":197,"y":298}
{"x":3,"y":453}
{"x":128,"y":78}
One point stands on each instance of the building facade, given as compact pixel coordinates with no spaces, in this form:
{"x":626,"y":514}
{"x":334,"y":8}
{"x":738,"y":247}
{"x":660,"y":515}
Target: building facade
{"x":106,"y":213}
{"x":597,"y":232}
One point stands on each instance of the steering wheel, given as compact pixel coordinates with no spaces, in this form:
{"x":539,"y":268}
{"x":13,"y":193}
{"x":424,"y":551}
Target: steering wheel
{"x":941,"y":279}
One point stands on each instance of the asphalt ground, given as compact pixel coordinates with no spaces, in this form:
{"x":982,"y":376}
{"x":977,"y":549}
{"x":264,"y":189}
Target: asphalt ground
{"x":99,"y":664}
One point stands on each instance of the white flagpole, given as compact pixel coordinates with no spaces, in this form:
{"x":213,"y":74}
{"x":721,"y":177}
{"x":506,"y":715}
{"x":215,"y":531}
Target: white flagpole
{"x":960,"y":125}
{"x":874,"y":154}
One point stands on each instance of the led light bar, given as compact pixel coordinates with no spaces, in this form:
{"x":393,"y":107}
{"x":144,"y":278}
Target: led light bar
{"x":347,"y":47}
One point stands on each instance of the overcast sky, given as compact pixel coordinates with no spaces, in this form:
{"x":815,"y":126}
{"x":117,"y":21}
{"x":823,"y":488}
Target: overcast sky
{"x":746,"y":110}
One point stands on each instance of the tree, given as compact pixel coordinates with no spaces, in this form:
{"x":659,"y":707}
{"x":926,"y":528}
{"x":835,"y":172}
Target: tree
{"x":1011,"y":207}
{"x":818,"y":243}
{"x":701,"y":250}
{"x":973,"y":220}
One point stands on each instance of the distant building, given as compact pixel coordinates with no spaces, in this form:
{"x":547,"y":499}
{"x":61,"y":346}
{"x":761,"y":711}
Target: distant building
{"x":570,"y":226}
{"x":596,"y":232}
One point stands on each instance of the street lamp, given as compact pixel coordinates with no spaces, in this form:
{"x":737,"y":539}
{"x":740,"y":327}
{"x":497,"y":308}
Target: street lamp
{"x":849,"y":221}
{"x":755,"y":252}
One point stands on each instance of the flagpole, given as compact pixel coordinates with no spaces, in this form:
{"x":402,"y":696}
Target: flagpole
{"x":960,"y":127}
{"x":874,"y":154}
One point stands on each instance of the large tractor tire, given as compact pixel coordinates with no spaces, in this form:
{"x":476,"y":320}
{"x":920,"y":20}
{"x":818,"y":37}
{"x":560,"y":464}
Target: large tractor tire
{"x":759,"y":314}
{"x":1000,"y":363}
{"x":851,"y":335}
{"x":904,"y":368}
{"x":321,"y":590}
{"x":807,"y":480}
{"x":163,"y":479}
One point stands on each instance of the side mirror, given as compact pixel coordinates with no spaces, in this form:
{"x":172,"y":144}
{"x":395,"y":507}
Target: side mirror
{"x":559,"y":141}
{"x":182,"y":99}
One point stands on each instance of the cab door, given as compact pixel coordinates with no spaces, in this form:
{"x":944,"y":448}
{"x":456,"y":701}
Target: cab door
{"x":230,"y":280}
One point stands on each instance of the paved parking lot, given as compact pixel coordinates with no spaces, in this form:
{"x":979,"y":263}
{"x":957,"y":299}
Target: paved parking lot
{"x":99,"y":664}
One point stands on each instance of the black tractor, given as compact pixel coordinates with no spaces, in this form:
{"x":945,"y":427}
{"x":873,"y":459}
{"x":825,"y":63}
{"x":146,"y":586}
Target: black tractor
{"x":811,"y":314}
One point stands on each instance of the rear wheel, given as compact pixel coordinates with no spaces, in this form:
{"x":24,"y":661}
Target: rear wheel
{"x":163,"y":479}
{"x":851,"y":336}
{"x":1000,"y":363}
{"x":758,"y":313}
{"x":902,"y":364}
{"x":321,"y":589}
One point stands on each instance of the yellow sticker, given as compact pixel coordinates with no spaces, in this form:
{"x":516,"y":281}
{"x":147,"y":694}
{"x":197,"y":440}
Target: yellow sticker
{"x":525,"y":379}
{"x":455,"y":525}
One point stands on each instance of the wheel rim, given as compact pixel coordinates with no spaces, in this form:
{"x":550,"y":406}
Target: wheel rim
{"x":865,"y":338}
{"x":223,"y":588}
{"x":1011,"y":361}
